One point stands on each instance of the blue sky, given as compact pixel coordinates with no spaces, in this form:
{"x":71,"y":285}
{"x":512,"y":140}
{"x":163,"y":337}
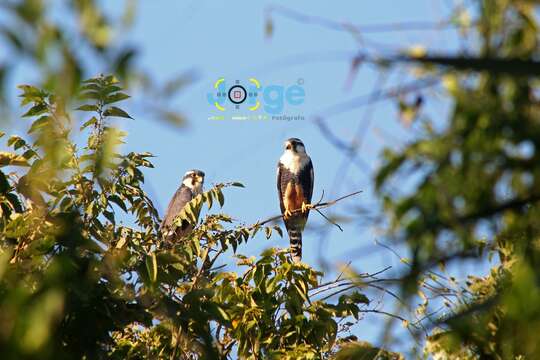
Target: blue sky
{"x":227,"y":39}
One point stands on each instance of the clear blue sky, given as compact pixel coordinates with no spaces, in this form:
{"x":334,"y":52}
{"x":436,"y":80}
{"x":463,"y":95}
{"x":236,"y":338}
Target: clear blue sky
{"x":227,"y":39}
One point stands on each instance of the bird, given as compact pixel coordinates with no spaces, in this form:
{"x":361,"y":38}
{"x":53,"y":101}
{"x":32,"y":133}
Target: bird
{"x":295,"y":181}
{"x":192,"y":185}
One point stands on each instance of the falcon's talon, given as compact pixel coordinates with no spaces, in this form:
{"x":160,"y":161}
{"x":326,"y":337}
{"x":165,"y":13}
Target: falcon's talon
{"x":306,"y":207}
{"x":287,"y":214}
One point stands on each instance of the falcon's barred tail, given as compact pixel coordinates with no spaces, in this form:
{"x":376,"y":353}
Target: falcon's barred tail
{"x":295,"y":236}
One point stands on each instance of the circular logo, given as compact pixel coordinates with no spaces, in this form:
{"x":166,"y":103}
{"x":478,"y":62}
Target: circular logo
{"x":237,"y":94}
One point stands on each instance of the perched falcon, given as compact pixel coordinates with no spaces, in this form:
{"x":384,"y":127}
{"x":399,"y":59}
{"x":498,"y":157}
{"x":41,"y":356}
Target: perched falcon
{"x":295,"y":187}
{"x":192,"y":184}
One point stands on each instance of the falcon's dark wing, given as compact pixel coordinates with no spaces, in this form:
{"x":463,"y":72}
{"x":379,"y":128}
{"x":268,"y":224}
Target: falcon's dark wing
{"x":284,"y":176}
{"x":181,"y":197}
{"x":306,"y":179}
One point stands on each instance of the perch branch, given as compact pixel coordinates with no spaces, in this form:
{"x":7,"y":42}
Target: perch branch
{"x":317,"y":206}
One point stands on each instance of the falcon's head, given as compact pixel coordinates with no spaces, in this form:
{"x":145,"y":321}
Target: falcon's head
{"x":295,"y":145}
{"x":194,"y":180}
{"x":294,"y":157}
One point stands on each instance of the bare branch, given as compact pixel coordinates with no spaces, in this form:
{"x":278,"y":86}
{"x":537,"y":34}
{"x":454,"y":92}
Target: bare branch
{"x":372,"y":28}
{"x":380,"y":95}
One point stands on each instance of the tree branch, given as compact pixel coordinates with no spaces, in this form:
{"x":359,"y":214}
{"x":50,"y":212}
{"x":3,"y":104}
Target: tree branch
{"x":317,"y":206}
{"x":371,"y":28}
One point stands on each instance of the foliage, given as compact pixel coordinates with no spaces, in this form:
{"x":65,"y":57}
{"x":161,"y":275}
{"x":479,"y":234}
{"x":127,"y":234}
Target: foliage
{"x":83,"y":270}
{"x":76,"y":281}
{"x":475,"y":190}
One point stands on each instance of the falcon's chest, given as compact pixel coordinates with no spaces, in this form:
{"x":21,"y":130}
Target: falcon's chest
{"x":293,"y":197}
{"x":294,"y":162}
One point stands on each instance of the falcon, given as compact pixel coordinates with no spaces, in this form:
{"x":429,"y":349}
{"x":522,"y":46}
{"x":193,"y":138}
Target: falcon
{"x":295,"y":187}
{"x":192,"y":184}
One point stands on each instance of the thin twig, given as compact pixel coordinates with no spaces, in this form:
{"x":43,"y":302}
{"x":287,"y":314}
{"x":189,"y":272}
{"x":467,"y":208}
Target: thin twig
{"x":330,"y":287}
{"x":363,"y":276}
{"x":343,"y":271}
{"x":339,"y":291}
{"x":388,"y":314}
{"x":330,"y":221}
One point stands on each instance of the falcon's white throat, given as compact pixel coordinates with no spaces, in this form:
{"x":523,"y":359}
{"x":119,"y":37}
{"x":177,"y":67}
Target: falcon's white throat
{"x":294,"y":161}
{"x":194,"y":185}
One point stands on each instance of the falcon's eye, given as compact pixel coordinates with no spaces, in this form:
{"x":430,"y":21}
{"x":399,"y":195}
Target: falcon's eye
{"x":289,"y":147}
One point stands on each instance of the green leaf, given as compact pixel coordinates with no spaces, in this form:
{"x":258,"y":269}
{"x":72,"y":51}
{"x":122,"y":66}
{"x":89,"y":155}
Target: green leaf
{"x":4,"y":184}
{"x":12,"y":139}
{"x":87,"y":107}
{"x":220,"y":197}
{"x":359,"y":298}
{"x":209,"y":199}
{"x":116,"y":199}
{"x":36,"y":110}
{"x":90,"y":86}
{"x":151,"y":267}
{"x":109,"y":215}
{"x":39,"y":123}
{"x":28,"y":154}
{"x":16,"y":141}
{"x":94,"y":95}
{"x":110,"y":89}
{"x":117,"y":112}
{"x":88,"y":123}
{"x":116,"y":98}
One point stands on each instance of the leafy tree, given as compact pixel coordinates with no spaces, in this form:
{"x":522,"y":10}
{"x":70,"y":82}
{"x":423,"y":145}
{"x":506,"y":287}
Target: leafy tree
{"x":77,"y":282}
{"x":476,"y":190}
{"x":84,"y":272}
